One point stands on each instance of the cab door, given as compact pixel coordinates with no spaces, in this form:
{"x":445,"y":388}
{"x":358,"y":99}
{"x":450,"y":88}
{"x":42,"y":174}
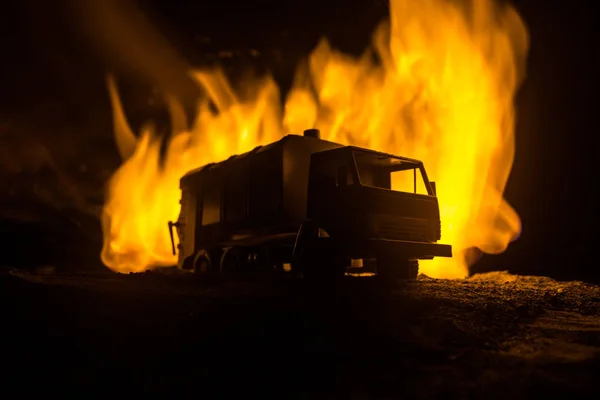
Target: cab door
{"x":333,"y":192}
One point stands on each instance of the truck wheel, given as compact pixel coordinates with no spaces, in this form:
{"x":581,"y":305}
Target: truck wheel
{"x":234,"y":260}
{"x":335,"y":266}
{"x":323,"y":267}
{"x":412,"y":269}
{"x":204,"y":262}
{"x":390,"y":268}
{"x":188,"y":263}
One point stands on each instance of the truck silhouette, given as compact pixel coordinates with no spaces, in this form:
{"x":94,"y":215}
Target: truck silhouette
{"x":311,"y":207}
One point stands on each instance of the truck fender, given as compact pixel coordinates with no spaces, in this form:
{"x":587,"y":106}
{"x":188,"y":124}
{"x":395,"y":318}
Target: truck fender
{"x":308,"y":230}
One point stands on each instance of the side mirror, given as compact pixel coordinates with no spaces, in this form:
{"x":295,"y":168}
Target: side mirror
{"x":433,"y":188}
{"x":342,"y":176}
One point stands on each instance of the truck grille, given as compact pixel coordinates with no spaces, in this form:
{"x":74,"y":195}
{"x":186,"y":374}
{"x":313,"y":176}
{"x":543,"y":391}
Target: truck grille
{"x":412,"y":229}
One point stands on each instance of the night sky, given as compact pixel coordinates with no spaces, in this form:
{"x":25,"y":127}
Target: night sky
{"x":51,"y":77}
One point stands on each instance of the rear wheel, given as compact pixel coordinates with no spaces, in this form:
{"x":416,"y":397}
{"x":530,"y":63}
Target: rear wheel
{"x":390,"y":268}
{"x":234,"y":260}
{"x":201,"y":263}
{"x":188,"y":263}
{"x":206,"y":262}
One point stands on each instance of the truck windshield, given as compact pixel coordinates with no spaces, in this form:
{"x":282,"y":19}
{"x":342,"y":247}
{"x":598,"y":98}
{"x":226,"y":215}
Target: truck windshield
{"x":385,"y":172}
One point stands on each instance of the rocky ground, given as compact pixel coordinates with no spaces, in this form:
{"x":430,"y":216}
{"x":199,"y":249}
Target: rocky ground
{"x":491,"y":336}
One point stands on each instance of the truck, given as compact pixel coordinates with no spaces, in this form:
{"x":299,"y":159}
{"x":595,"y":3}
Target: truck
{"x":311,"y":207}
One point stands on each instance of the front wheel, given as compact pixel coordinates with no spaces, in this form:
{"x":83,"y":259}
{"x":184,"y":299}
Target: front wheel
{"x":323,"y":263}
{"x":392,"y":269}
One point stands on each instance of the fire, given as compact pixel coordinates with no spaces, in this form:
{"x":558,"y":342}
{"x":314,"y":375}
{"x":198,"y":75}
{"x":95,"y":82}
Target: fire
{"x":437,"y":84}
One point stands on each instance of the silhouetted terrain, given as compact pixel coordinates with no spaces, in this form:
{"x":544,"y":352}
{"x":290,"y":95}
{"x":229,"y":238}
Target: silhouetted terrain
{"x":492,"y":336}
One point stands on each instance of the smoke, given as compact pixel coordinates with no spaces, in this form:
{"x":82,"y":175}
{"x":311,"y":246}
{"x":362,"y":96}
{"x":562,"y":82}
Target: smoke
{"x":57,"y":152}
{"x":35,"y":181}
{"x":123,"y":37}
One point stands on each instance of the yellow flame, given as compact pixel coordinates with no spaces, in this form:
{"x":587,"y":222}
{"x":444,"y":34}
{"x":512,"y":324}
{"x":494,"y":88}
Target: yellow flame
{"x":437,"y":84}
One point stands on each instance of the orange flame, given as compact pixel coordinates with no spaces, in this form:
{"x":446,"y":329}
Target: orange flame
{"x":437,"y":84}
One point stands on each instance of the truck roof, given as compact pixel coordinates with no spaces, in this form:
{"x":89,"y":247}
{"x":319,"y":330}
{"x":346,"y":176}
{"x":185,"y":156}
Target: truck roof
{"x":282,"y":141}
{"x":382,"y":154}
{"x":257,"y":149}
{"x":235,"y":156}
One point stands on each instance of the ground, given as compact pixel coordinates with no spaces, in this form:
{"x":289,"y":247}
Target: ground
{"x":494,"y":336}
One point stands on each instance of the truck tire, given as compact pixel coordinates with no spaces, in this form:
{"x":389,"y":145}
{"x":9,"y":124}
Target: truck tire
{"x":188,"y":263}
{"x":323,"y":265}
{"x":206,"y":262}
{"x":392,"y":269}
{"x":234,"y":260}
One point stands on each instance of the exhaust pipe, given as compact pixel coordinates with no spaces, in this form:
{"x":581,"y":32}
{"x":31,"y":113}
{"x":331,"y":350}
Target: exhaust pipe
{"x":313,"y":133}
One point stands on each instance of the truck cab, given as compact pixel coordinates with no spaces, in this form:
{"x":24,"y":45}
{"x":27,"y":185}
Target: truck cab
{"x":375,"y":205}
{"x":356,"y":192}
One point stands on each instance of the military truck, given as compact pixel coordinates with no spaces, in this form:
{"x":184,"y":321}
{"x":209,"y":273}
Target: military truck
{"x":311,"y":207}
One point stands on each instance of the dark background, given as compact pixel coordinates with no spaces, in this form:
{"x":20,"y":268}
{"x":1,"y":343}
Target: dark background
{"x":56,"y":134}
